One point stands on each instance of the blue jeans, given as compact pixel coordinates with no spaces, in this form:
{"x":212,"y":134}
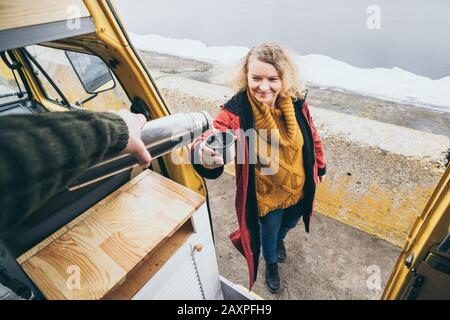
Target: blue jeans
{"x":273,"y":227}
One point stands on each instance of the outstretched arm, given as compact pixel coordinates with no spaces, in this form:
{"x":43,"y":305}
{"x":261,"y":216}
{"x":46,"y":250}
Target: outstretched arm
{"x":41,"y":153}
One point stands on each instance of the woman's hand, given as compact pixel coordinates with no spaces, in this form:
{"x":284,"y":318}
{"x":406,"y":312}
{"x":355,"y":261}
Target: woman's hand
{"x":209,"y":158}
{"x":322,"y":178}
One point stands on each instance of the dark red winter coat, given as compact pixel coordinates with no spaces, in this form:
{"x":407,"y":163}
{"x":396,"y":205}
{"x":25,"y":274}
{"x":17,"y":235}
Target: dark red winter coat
{"x":237,"y":115}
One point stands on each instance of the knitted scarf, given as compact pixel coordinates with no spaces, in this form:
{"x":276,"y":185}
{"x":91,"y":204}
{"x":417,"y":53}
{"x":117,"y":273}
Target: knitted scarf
{"x":282,"y":187}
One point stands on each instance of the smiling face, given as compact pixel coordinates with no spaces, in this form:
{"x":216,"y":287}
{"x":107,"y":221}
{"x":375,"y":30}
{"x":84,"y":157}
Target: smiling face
{"x":264,"y":81}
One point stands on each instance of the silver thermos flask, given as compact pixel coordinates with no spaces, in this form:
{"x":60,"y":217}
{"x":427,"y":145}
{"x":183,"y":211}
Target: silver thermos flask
{"x":160,"y":136}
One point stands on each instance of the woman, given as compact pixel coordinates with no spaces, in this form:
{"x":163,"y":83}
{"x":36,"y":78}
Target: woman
{"x":269,"y":203}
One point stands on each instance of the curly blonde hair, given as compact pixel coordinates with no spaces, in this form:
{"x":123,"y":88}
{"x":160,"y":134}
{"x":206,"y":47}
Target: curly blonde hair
{"x":282,"y":59}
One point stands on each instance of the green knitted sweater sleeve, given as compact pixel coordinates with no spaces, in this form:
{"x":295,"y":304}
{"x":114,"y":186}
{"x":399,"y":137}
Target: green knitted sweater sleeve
{"x":41,"y":153}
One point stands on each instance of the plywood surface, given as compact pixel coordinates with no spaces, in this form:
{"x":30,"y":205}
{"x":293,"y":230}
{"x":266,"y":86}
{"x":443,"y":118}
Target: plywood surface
{"x":90,"y":257}
{"x":21,"y":13}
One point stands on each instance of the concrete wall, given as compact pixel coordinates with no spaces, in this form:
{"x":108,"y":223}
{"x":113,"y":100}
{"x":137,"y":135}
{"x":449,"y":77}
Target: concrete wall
{"x":380,"y":175}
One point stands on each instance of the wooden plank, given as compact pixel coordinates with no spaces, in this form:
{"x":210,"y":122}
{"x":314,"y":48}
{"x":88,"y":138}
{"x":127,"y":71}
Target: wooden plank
{"x":111,"y":239}
{"x":22,"y":13}
{"x":150,"y":266}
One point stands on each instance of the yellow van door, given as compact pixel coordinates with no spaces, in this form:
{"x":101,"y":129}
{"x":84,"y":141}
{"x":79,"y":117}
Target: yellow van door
{"x":423,"y":269}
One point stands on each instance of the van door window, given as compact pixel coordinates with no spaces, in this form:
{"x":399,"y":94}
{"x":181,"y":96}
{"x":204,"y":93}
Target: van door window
{"x":56,"y":64}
